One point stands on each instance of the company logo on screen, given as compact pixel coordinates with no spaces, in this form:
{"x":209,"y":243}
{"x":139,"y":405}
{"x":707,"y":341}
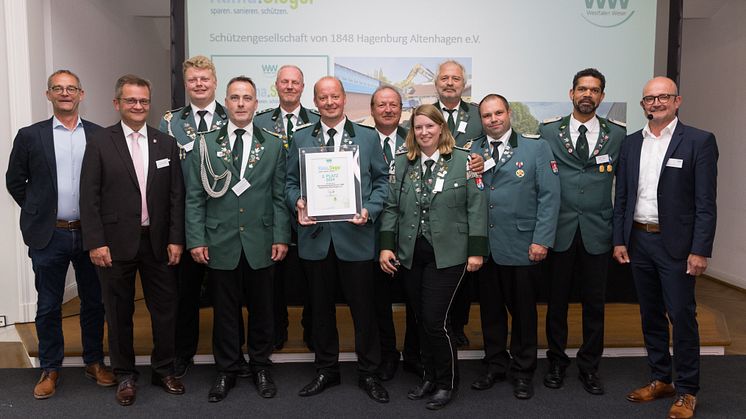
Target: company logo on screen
{"x":607,"y":13}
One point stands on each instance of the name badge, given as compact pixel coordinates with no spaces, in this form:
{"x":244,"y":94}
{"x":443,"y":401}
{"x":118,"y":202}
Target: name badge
{"x":604,"y":158}
{"x":189,"y":146}
{"x":677,"y":163}
{"x":489,"y":164}
{"x":160,"y":164}
{"x":438,"y":185}
{"x":462,"y":127}
{"x":241,"y":187}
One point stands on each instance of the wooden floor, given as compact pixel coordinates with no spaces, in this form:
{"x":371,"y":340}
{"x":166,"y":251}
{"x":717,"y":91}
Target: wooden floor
{"x":725,"y":326}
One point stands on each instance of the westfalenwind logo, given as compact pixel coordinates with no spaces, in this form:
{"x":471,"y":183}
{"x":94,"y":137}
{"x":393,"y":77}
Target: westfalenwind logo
{"x":269,"y":68}
{"x":607,"y":13}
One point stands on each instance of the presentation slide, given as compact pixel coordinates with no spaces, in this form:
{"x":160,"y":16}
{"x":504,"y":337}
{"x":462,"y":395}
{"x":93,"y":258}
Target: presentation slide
{"x":527,"y":51}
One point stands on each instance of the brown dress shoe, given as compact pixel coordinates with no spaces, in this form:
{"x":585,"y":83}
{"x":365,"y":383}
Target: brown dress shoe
{"x":126,"y":392}
{"x":655,"y":390}
{"x":683,"y":407}
{"x":101,"y":374}
{"x":171,"y":384}
{"x":46,"y":385}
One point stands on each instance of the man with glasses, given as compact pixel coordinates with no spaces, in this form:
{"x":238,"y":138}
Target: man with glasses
{"x":586,"y":148}
{"x":203,"y":113}
{"x":43,"y":177}
{"x":282,"y":123}
{"x":664,"y":226}
{"x":132,"y":214}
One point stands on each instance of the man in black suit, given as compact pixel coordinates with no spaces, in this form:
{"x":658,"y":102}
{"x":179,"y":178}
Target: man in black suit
{"x":43,"y":175}
{"x":132,"y":213}
{"x":664,"y":227}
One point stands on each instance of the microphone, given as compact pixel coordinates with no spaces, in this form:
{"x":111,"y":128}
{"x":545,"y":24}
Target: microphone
{"x":649,"y":116}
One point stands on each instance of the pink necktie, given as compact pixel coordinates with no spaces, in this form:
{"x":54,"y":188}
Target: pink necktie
{"x":137,"y":161}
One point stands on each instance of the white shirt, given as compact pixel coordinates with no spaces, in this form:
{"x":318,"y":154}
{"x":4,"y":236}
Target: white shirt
{"x":445,"y":114}
{"x":208,"y":116}
{"x":651,"y":162}
{"x":503,"y":141}
{"x":392,"y":140}
{"x":246,"y":138}
{"x":338,"y":136}
{"x":591,"y":135}
{"x":294,"y":118}
{"x":143,"y":141}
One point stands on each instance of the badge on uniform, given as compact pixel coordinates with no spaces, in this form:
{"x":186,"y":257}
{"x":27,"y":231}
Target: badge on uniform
{"x":553,"y":165}
{"x":520,"y":173}
{"x":519,"y":164}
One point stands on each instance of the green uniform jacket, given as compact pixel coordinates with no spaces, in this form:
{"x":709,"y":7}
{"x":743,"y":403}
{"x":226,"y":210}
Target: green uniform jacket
{"x":458,"y":213}
{"x":524,"y":198}
{"x":249,"y":223}
{"x":179,"y":123}
{"x":468,"y":114}
{"x":271,"y":120}
{"x":586,"y":185}
{"x":352,"y":243}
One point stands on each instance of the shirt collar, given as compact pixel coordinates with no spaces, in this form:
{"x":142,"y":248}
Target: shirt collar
{"x":668,"y":130}
{"x":128,"y":131}
{"x":209,"y":108}
{"x":339,"y":127}
{"x":248,"y":128}
{"x":504,"y":139}
{"x":56,"y":123}
{"x":441,"y":106}
{"x":295,"y":112}
{"x":383,"y":136}
{"x":424,"y":158}
{"x":591,"y":124}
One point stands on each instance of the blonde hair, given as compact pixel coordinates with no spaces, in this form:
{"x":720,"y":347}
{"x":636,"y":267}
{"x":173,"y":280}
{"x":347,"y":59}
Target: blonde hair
{"x":446,"y":142}
{"x":200,"y":62}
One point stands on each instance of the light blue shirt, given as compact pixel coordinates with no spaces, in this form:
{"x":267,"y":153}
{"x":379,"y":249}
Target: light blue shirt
{"x":69,"y":147}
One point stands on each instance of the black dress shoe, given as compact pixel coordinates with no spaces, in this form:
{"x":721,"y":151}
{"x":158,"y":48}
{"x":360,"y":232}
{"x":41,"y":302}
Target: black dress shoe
{"x":280,"y":339}
{"x":440,"y":399}
{"x":181,"y":366}
{"x":244,"y":368}
{"x":591,"y":383}
{"x":373,"y":388}
{"x":319,"y":384}
{"x":425,"y":388}
{"x":223,"y":384}
{"x":523,"y":388}
{"x":460,"y":338}
{"x":264,"y":384}
{"x":555,"y":377}
{"x":169,"y":383}
{"x":415,"y":367}
{"x":387,"y":369}
{"x":487,"y":380}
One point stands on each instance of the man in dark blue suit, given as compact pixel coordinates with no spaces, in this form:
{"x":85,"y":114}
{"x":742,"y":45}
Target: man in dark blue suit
{"x":43,"y":177}
{"x":664,"y":226}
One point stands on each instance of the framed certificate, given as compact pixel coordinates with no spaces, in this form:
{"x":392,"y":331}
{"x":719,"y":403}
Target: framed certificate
{"x":330,"y":182}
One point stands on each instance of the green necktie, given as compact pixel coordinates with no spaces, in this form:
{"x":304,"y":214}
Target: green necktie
{"x":451,"y":121}
{"x":331,"y":132}
{"x":582,"y":143}
{"x":427,"y":178}
{"x":495,"y":150}
{"x":202,"y":127}
{"x":289,"y":130}
{"x":238,"y":149}
{"x":387,"y":149}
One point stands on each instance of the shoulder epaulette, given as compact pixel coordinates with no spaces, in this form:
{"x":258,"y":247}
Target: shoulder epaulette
{"x":303,"y":126}
{"x":272,"y":133}
{"x":550,"y":120}
{"x":365,"y":126}
{"x":474,"y":104}
{"x":265,"y":111}
{"x":313,"y":111}
{"x":619,"y":123}
{"x":167,"y":116}
{"x":400,"y":152}
{"x":464,"y":149}
{"x":532,"y":136}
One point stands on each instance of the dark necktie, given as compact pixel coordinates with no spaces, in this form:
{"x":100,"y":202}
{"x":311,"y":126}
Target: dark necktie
{"x":428,"y":176}
{"x":238,"y":149}
{"x":289,"y":130}
{"x":495,"y":149}
{"x":202,"y":127}
{"x":387,"y":149}
{"x":582,"y":144}
{"x":451,"y":121}
{"x":331,"y":132}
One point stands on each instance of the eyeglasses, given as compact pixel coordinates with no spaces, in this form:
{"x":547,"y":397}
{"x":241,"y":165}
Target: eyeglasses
{"x":664,"y":98}
{"x":130,"y":101}
{"x":71,"y":90}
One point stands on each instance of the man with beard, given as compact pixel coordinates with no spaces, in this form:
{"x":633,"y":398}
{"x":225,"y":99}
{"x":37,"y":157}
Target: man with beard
{"x":586,"y":148}
{"x":282,"y":123}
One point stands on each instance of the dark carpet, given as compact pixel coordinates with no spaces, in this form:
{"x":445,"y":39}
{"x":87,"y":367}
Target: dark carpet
{"x":723,"y":395}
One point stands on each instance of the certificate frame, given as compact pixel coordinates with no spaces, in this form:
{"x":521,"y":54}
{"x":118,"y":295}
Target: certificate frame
{"x":330,"y":182}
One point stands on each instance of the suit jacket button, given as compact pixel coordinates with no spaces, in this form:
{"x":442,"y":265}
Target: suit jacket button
{"x":240,"y":228}
{"x":240,"y":210}
{"x":492,"y":226}
{"x":492,"y":188}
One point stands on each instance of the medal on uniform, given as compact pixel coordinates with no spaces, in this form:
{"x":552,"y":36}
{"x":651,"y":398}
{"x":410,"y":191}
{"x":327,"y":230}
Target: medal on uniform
{"x":601,"y":168}
{"x":608,"y":168}
{"x":520,"y":173}
{"x":519,"y":164}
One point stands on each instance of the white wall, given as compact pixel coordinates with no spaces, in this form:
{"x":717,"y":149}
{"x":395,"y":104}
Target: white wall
{"x":712,"y":85}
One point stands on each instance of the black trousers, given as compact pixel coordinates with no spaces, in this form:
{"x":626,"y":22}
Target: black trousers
{"x":159,"y":284}
{"x":230,"y":290}
{"x":576,"y":264}
{"x":190,"y":275}
{"x":462,"y":303}
{"x":504,"y":289}
{"x":287,"y":275}
{"x":431,"y":292}
{"x":355,"y":280}
{"x":383,"y":284}
{"x":666,"y":293}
